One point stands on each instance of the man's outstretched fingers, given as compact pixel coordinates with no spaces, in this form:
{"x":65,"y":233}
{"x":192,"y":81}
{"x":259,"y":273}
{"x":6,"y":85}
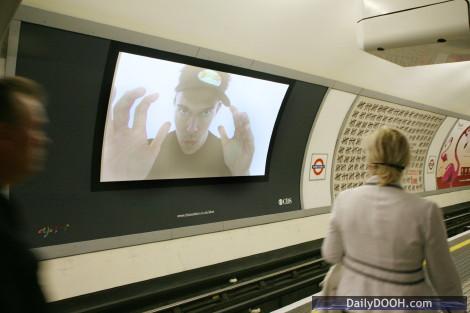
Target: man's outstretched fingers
{"x":236,"y":118}
{"x":249,"y":140}
{"x":123,"y":106}
{"x":160,"y":137}
{"x":140,"y":117}
{"x":223,"y":134}
{"x":243,"y":120}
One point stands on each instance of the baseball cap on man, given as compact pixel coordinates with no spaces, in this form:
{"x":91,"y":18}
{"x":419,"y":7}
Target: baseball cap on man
{"x":192,"y":77}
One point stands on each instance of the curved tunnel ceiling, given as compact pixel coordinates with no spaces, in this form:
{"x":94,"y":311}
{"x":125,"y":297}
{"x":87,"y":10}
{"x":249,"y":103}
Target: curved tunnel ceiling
{"x":316,"y":37}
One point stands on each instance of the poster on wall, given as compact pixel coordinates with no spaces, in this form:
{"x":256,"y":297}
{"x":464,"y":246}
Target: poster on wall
{"x":453,"y":168}
{"x":367,"y":114}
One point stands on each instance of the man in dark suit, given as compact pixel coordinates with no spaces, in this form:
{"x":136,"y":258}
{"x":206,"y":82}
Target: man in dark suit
{"x":22,"y":152}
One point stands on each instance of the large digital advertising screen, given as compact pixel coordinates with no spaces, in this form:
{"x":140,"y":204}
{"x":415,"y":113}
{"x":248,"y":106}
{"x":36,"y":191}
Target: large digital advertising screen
{"x":170,"y":120}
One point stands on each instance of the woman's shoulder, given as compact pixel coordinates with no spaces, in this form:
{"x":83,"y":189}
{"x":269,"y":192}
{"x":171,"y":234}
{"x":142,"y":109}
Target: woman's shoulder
{"x":365,"y":191}
{"x":419,"y":201}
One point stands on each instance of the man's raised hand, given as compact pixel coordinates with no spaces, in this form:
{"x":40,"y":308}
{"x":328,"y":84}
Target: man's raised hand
{"x":127,"y":155}
{"x":238,"y":150}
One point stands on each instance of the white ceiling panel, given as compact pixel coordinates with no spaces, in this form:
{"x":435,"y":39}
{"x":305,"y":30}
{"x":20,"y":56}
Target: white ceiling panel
{"x":312,"y":36}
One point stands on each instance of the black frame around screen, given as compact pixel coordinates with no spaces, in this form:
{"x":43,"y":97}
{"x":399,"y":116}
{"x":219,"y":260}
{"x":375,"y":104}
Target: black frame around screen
{"x":108,"y":76}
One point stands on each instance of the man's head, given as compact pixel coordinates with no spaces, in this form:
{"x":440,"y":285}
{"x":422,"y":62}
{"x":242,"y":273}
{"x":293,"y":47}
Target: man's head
{"x":22,"y":138}
{"x":199,"y":94}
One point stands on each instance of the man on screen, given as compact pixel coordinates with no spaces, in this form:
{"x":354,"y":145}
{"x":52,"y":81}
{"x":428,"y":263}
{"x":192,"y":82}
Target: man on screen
{"x":189,"y":151}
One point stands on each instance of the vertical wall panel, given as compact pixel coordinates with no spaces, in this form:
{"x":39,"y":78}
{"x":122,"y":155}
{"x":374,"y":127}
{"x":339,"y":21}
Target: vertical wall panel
{"x":315,"y":189}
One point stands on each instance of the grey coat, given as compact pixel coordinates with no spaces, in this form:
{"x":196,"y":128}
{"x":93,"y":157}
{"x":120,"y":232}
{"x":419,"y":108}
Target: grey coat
{"x":382,"y":235}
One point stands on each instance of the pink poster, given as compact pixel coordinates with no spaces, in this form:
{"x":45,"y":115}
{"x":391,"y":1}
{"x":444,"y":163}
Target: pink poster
{"x":453,"y":168}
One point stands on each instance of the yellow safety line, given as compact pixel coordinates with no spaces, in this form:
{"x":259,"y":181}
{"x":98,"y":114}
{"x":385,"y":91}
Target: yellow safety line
{"x":459,"y":245}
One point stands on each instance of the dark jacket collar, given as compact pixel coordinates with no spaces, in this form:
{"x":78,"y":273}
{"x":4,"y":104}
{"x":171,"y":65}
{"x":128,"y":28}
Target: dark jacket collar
{"x":374,"y":180}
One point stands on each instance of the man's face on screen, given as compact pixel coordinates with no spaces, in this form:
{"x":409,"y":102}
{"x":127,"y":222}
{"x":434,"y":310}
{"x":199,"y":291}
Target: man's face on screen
{"x":195,"y":110}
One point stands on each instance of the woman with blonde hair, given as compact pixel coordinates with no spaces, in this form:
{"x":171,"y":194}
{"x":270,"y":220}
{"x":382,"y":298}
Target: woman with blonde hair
{"x":382,"y":234}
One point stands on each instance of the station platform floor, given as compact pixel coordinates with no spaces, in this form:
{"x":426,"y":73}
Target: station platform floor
{"x":459,"y":247}
{"x":461,"y":255}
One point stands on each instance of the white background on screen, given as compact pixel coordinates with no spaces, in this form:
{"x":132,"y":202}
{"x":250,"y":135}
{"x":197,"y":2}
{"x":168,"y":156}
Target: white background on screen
{"x":260,"y":99}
